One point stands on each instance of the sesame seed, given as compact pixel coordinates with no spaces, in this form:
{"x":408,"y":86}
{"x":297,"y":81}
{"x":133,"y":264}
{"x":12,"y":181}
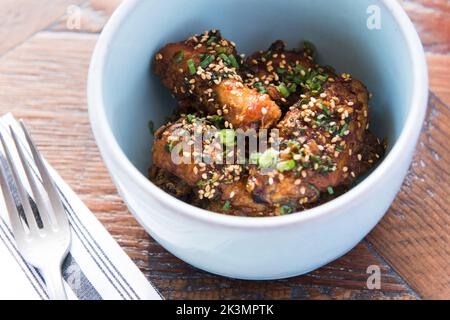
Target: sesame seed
{"x":297,"y":182}
{"x":231,"y":194}
{"x":302,"y":190}
{"x":345,"y":169}
{"x":359,"y":157}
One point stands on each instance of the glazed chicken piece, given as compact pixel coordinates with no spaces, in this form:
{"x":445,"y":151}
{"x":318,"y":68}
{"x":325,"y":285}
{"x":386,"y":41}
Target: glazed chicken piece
{"x":170,"y":183}
{"x":324,"y":146}
{"x":220,"y":185}
{"x":202,"y":71}
{"x":324,"y":142}
{"x":283,"y":74}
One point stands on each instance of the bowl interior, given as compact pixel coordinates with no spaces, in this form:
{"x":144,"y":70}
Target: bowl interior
{"x":133,"y":95}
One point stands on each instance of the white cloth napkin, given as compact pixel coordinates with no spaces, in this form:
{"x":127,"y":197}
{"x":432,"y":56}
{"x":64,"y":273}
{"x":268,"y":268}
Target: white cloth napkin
{"x":96,"y":267}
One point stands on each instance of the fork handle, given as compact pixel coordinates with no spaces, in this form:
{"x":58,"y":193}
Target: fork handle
{"x":54,"y":282}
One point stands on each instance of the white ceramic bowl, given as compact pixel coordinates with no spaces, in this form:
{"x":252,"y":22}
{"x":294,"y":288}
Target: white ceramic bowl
{"x":124,"y":96}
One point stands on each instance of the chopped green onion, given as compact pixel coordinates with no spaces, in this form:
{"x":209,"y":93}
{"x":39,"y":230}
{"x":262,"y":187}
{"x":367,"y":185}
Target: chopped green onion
{"x":211,"y":40}
{"x":201,"y":183}
{"x":233,"y":61}
{"x":216,"y":120}
{"x":281,"y":70}
{"x":260,"y":87}
{"x":298,"y":80}
{"x":179,"y":56}
{"x":206,"y":61}
{"x":225,"y":58}
{"x":313,"y":187}
{"x":285,"y":209}
{"x":343,"y":129}
{"x":292,"y":87}
{"x":330,"y":190}
{"x":322,"y":77}
{"x":325,"y":109}
{"x":220,"y":49}
{"x":300,"y":70}
{"x":283,"y":90}
{"x":268,"y":159}
{"x":285,"y":165}
{"x":254,"y":158}
{"x":316,"y":159}
{"x":339,"y":148}
{"x":191,"y":67}
{"x":190,"y":118}
{"x":227,"y":136}
{"x":227,"y":205}
{"x":306,"y":165}
{"x":312,"y":85}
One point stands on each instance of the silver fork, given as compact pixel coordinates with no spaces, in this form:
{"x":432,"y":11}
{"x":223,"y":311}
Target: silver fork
{"x":43,"y":237}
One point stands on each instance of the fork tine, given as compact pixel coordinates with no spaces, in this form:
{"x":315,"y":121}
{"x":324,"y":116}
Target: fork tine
{"x":23,"y":195}
{"x":35,"y":187}
{"x":47,"y":181}
{"x":13,"y":213}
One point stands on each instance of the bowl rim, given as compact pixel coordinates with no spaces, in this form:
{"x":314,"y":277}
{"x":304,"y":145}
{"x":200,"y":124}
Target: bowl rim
{"x":409,"y":134}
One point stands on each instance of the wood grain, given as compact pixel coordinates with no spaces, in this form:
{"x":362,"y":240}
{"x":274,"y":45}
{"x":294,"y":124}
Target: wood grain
{"x":45,"y":84}
{"x":21,"y":18}
{"x":43,"y":80}
{"x":439,"y":75}
{"x":414,"y":236}
{"x":432,"y":20}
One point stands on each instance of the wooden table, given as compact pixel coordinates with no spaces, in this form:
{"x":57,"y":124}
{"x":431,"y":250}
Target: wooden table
{"x":43,"y":68}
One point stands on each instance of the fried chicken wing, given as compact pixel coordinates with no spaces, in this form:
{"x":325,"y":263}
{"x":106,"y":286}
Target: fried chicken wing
{"x":325,"y":144}
{"x":170,"y":183}
{"x":219,"y":184}
{"x":279,"y":72}
{"x":202,"y":72}
{"x":322,"y":143}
